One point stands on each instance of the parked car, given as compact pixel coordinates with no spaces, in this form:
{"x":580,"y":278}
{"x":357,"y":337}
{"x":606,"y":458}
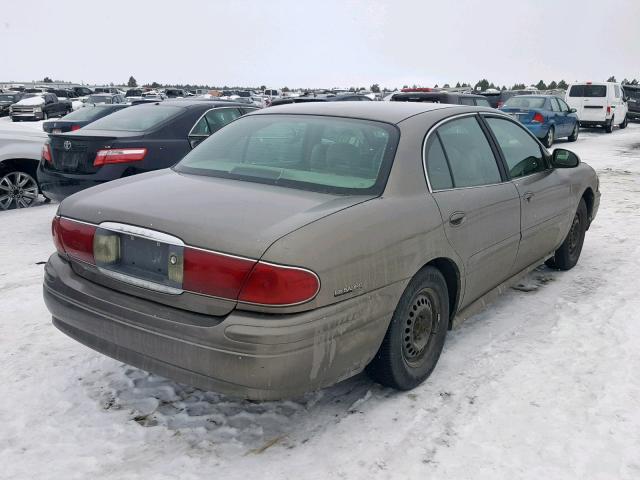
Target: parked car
{"x":137,"y":139}
{"x":63,"y":93}
{"x":112,"y":90}
{"x":599,"y":104}
{"x":108,"y":98}
{"x":441,"y":97}
{"x":632,"y":92}
{"x":134,"y":92}
{"x":301,"y":244}
{"x":39,"y":107}
{"x":80,"y":118}
{"x":547,"y":117}
{"x":82,"y":91}
{"x":19,"y":156}
{"x":175,"y":93}
{"x":7,"y":99}
{"x":349,"y":97}
{"x":498,"y":98}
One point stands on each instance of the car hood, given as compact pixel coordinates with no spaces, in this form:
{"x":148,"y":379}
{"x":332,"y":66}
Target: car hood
{"x":229,"y":216}
{"x":31,"y":101}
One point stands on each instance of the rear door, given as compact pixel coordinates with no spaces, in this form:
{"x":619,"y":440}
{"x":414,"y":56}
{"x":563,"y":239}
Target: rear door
{"x":481,"y":211}
{"x":545,"y":198}
{"x":559,"y":117}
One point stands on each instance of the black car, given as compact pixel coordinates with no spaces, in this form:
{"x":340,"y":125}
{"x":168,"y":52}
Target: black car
{"x":8,"y":99}
{"x":137,"y":139}
{"x":349,"y":97}
{"x":441,"y":97}
{"x":632,"y":92}
{"x":82,"y":91}
{"x":62,"y":93}
{"x":80,"y":118}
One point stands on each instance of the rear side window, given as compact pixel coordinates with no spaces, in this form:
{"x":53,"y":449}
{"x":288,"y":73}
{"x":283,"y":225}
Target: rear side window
{"x":588,"y":91}
{"x":437,"y":167}
{"x":136,"y":119}
{"x":521,"y":152}
{"x":482,"y":102}
{"x":467,"y":150}
{"x":466,"y":101}
{"x":555,"y":106}
{"x":214,"y":120}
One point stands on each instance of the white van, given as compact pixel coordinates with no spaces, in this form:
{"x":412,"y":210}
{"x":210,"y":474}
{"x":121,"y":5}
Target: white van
{"x":598,"y":104}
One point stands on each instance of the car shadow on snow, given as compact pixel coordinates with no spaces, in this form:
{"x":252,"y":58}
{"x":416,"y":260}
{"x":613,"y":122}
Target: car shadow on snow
{"x":205,"y":418}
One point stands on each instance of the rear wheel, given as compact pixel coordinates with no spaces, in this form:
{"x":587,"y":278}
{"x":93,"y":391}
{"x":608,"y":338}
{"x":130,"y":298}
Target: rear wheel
{"x":625,"y":122}
{"x":18,"y":189}
{"x":609,"y":127}
{"x":45,"y":116}
{"x":566,"y":257}
{"x":574,"y":134}
{"x":549,"y":137}
{"x":416,"y":334}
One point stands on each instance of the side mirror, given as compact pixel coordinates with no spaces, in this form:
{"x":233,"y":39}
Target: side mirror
{"x":562,"y":158}
{"x":572,"y":110}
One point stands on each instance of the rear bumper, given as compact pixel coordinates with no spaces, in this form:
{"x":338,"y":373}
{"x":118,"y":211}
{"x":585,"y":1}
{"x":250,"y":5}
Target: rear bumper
{"x":59,"y":185}
{"x":244,"y":354}
{"x":595,"y":123}
{"x":540,"y":130}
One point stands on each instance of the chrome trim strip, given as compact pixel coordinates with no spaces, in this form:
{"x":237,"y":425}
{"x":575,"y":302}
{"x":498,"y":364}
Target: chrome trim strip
{"x":141,"y":232}
{"x":140,"y":283}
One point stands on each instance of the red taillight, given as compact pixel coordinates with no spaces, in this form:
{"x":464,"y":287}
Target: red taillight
{"x":214,"y":274}
{"x":119,"y":155}
{"x":270,"y":284}
{"x":46,"y":153}
{"x":74,"y":239}
{"x":538,"y":118}
{"x":500,"y":104}
{"x":75,"y":127}
{"x":608,"y":110}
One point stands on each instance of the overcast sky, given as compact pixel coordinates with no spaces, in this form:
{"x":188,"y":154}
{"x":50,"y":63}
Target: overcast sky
{"x":329,"y":43}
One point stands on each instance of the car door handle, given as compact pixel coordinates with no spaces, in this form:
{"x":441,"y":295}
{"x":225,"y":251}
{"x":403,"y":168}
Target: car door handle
{"x":457,"y":218}
{"x":528,"y":196}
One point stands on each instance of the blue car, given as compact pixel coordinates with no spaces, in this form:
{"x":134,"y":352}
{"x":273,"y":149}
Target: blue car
{"x":546,"y":116}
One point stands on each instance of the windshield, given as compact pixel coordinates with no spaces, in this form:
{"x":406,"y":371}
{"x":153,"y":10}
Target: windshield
{"x":588,"y":91}
{"x":136,"y":119}
{"x":8,"y":98}
{"x":325,"y":154}
{"x":133,"y":93}
{"x":525,"y":102}
{"x":88,"y":113}
{"x":98,"y":99}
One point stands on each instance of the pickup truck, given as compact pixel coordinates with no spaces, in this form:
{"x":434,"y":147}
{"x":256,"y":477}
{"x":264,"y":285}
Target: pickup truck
{"x":39,"y":107}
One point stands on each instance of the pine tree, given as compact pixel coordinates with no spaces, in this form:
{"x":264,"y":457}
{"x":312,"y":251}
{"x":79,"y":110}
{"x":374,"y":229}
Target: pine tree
{"x":553,"y":85}
{"x":541,"y":85}
{"x":612,"y":78}
{"x":132,"y":82}
{"x":562,"y":85}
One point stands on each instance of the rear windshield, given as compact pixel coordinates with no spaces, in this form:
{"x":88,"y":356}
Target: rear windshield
{"x":98,"y":99}
{"x":417,"y":98}
{"x":88,"y":113}
{"x":588,"y":91}
{"x":632,"y":92}
{"x":525,"y":102}
{"x":323,"y":154}
{"x":136,"y":119}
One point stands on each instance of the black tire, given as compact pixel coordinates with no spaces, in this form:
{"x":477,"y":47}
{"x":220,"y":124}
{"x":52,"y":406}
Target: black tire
{"x":624,"y":123}
{"x":609,"y":127}
{"x":547,"y":141}
{"x":45,"y":116}
{"x":574,"y":135}
{"x":416,"y":334}
{"x":566,"y":257}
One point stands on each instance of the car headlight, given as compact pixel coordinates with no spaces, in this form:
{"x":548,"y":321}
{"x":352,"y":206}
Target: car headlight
{"x":37,"y":109}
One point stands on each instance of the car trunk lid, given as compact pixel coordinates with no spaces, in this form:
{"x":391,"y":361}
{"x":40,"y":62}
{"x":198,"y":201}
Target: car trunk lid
{"x":229,"y":217}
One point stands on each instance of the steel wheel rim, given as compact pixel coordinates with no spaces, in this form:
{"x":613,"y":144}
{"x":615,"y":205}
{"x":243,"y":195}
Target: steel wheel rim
{"x":19,"y":189}
{"x":574,"y":235}
{"x":550,"y":136}
{"x":420,"y":326}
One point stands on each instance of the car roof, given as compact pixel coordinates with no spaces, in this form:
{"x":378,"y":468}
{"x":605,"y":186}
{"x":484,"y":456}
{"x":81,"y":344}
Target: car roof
{"x":390,"y":112}
{"x":189,"y":102}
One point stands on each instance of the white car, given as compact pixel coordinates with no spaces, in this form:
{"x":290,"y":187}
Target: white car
{"x":599,"y":104}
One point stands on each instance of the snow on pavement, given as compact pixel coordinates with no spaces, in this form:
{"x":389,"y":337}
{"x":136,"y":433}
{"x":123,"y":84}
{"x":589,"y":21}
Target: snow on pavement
{"x":543,"y":384}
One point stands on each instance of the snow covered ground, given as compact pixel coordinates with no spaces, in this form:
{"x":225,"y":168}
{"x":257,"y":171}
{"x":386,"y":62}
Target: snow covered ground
{"x":543,"y":384}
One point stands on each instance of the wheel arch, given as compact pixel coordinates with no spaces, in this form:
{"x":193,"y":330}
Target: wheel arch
{"x":451,"y":273}
{"x":29,"y":164}
{"x":588,"y":196}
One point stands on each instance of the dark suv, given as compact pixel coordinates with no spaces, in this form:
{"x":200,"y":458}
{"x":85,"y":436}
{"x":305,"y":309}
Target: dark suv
{"x":441,"y":97}
{"x":632,"y":93}
{"x":134,"y":140}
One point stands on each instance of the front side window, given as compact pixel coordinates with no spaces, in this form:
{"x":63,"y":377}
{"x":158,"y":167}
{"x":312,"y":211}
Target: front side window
{"x":469,"y":155}
{"x":563,"y":106}
{"x":521,"y":152}
{"x":324,"y":154}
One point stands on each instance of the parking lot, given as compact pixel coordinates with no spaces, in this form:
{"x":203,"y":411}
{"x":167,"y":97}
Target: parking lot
{"x":542,"y":384}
